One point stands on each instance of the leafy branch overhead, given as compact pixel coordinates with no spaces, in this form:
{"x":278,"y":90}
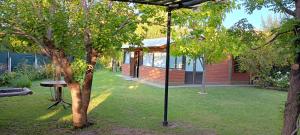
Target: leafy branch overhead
{"x":278,"y":6}
{"x":200,"y":32}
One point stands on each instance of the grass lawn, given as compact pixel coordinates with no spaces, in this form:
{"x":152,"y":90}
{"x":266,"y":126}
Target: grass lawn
{"x":125,"y":107}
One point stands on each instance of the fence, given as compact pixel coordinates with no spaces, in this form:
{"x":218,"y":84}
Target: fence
{"x":9,"y":61}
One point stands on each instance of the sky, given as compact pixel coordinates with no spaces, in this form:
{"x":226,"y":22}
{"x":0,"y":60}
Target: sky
{"x":255,"y":18}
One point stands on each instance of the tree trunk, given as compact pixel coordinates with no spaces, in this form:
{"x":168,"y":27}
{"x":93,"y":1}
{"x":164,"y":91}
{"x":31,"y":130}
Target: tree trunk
{"x":57,"y":75}
{"x":292,"y":105}
{"x":194,"y":70}
{"x":203,"y":75}
{"x":92,"y":56}
{"x":114,"y":65}
{"x":292,"y":109}
{"x":57,"y":78}
{"x":77,"y":112}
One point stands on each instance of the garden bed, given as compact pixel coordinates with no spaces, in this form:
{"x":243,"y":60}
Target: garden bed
{"x":8,"y":92}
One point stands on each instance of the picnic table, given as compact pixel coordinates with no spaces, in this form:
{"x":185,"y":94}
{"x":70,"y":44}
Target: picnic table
{"x":58,"y":85}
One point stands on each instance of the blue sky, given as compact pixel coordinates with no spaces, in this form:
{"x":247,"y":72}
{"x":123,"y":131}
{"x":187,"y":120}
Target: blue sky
{"x":255,"y":18}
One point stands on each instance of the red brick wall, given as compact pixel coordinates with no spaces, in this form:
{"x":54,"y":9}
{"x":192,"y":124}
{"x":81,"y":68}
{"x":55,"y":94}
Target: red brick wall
{"x":126,"y":69}
{"x":215,"y":74}
{"x":157,"y":75}
{"x":240,"y":78}
{"x":177,"y":77}
{"x":218,"y":73}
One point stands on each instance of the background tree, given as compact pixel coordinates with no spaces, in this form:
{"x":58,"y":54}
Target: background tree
{"x":199,"y":34}
{"x":256,"y":58}
{"x":286,"y":37}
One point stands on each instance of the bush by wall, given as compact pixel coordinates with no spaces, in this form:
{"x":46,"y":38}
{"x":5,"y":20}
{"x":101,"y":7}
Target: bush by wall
{"x":20,"y":82}
{"x":24,"y":74}
{"x":6,"y":77}
{"x":275,"y":80}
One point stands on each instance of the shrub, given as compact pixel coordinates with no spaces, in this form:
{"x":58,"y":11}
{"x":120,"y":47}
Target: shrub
{"x":278,"y":80}
{"x":46,"y":71}
{"x":43,"y":72}
{"x":20,"y":81}
{"x":29,"y":71}
{"x":6,"y":77}
{"x":263,"y":81}
{"x":281,"y":80}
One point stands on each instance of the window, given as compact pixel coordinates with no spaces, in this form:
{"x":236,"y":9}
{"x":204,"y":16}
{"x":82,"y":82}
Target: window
{"x":179,"y":62}
{"x":176,"y":62}
{"x":127,"y":58}
{"x":172,"y":61}
{"x":132,"y":54}
{"x":148,"y":59}
{"x":160,"y":59}
{"x":199,"y":67}
{"x":189,"y":64}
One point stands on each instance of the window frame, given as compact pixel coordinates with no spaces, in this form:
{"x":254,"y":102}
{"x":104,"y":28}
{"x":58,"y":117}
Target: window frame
{"x":163,"y":60}
{"x":127,"y":53}
{"x":151,"y":57}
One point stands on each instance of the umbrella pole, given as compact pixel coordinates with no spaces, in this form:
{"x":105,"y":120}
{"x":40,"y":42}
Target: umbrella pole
{"x":165,"y":122}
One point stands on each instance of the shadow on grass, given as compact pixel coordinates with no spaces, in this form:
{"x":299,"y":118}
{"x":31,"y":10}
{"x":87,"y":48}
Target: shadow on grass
{"x":95,"y":102}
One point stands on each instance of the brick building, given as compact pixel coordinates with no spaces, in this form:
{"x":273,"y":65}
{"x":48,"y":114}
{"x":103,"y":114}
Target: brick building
{"x":147,"y":63}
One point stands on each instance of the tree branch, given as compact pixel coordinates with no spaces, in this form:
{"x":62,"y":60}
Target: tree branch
{"x":28,"y":36}
{"x":126,"y":22}
{"x":154,"y":23}
{"x":122,"y":25}
{"x":45,"y":51}
{"x":285,"y":9}
{"x":276,"y":36}
{"x":272,"y":39}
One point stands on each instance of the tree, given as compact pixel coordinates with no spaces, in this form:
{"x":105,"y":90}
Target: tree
{"x":154,"y":28}
{"x":199,"y":34}
{"x":63,"y":28}
{"x":286,"y":37}
{"x":256,"y":58}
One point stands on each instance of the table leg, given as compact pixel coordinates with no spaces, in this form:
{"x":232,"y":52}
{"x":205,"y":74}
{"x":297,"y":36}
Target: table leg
{"x":55,"y":104}
{"x":59,"y":94}
{"x":67,"y":103}
{"x":59,"y":98}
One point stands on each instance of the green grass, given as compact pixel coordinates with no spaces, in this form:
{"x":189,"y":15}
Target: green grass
{"x":125,"y":107}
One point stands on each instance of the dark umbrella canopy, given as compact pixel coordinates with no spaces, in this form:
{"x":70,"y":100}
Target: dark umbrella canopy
{"x":173,"y":4}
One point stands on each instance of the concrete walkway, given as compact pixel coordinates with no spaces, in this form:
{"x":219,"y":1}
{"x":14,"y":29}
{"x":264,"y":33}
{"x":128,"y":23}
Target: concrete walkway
{"x":128,"y":78}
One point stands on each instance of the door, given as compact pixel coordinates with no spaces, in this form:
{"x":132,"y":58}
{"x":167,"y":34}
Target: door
{"x":193,"y":71}
{"x":134,"y":64}
{"x":132,"y":61}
